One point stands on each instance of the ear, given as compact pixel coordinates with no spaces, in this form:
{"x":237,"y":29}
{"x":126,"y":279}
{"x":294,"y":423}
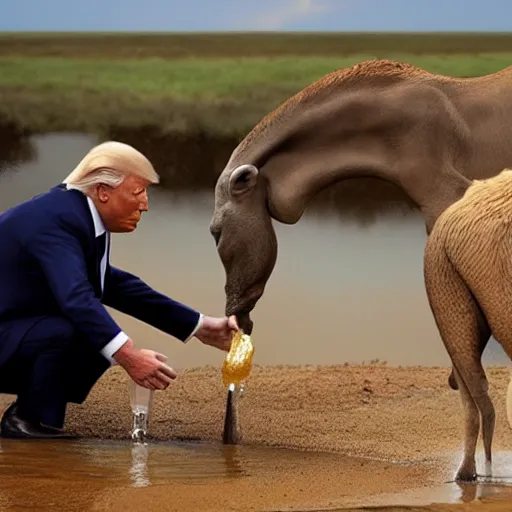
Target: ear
{"x":102,"y":192}
{"x":243,"y":179}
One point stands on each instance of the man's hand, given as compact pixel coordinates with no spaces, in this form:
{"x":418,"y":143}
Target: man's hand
{"x":217,"y":332}
{"x":146,"y":367}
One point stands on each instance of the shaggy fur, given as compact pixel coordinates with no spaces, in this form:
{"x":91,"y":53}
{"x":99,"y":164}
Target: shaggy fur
{"x":468,"y":278}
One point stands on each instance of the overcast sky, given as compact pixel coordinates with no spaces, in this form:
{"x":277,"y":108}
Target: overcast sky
{"x":214,"y":15}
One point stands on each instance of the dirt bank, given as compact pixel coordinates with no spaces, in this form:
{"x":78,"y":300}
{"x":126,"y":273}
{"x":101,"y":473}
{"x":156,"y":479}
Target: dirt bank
{"x":408,"y":413}
{"x":374,"y":411}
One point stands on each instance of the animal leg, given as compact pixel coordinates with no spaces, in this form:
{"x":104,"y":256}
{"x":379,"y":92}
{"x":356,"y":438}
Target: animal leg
{"x":467,"y":469}
{"x":464,"y":333}
{"x":485,"y":330}
{"x":473,"y":387}
{"x":488,"y":413}
{"x":485,"y":334}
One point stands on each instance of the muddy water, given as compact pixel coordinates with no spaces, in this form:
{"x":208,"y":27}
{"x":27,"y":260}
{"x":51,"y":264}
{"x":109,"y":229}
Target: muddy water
{"x":342,"y":291}
{"x":100,"y":475}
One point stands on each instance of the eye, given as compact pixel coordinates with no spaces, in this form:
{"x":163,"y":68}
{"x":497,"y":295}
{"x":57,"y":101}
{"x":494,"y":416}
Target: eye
{"x":243,"y":179}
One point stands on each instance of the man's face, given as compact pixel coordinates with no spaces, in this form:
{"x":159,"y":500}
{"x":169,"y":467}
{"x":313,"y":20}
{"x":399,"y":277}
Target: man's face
{"x":121,"y":208}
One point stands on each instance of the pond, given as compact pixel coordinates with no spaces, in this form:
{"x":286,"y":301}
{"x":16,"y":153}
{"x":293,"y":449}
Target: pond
{"x":343,"y":289}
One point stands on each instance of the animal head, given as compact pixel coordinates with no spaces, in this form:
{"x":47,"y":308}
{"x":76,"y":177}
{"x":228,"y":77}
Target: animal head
{"x":329,"y":129}
{"x":245,"y":239}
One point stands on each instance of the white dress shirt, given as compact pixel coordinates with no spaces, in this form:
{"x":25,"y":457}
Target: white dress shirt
{"x":120,"y":339}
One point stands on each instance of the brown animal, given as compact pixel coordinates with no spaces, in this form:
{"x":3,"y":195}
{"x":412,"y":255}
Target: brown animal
{"x":468,"y":278}
{"x":429,"y":134}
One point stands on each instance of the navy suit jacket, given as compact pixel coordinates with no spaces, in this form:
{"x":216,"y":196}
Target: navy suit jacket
{"x":49,"y":267}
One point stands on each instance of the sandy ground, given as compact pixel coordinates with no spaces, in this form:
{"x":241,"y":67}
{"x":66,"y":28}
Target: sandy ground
{"x":387,"y":415}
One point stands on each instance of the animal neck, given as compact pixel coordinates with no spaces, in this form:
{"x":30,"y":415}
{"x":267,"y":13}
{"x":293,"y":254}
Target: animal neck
{"x":362,"y":127}
{"x":330,"y":138}
{"x":295,"y":180}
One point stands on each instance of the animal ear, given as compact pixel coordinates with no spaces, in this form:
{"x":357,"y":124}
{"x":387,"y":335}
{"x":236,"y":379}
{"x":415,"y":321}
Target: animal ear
{"x":243,"y":178}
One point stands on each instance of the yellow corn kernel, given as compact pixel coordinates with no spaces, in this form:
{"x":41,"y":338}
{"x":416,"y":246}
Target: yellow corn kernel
{"x":238,"y":362}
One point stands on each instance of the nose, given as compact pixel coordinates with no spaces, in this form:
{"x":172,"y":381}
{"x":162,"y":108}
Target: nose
{"x":144,"y":203}
{"x":215,"y":231}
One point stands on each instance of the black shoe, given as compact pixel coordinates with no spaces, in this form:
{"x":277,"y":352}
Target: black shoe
{"x":14,"y":427}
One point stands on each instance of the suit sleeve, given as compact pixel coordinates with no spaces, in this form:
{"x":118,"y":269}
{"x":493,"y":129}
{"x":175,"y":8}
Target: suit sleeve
{"x":129,"y":294}
{"x":60,"y":255}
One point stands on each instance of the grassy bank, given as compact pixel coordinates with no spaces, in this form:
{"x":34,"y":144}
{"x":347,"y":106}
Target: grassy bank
{"x":207,"y":90}
{"x":226,"y":96}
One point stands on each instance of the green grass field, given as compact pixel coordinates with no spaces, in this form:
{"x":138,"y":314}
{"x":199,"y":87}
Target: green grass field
{"x":221,"y":83}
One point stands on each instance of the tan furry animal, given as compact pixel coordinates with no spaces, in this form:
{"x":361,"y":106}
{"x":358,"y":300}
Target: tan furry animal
{"x":468,"y":278}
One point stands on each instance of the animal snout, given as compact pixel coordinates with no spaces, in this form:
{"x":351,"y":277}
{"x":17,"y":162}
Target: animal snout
{"x":215,"y":232}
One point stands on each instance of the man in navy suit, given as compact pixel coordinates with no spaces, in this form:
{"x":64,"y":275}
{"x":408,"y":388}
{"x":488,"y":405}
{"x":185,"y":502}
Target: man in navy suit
{"x":56,"y":336}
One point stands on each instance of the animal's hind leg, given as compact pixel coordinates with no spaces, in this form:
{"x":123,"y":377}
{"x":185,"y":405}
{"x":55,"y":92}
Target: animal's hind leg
{"x":462,"y":329}
{"x":487,"y":419}
{"x":485,"y":334}
{"x":467,"y":469}
{"x":473,"y":387}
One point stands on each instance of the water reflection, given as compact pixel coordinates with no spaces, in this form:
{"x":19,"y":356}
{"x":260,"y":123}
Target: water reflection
{"x":482,"y":491}
{"x":77,"y":475}
{"x":352,"y":296}
{"x":193,"y":163}
{"x":139,"y":469}
{"x":184,"y":162}
{"x":189,"y":461}
{"x":72,"y":475}
{"x":449,"y":493}
{"x":138,"y":465}
{"x":15,"y":148}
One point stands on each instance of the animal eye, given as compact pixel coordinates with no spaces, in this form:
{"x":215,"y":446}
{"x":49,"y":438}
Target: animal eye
{"x":243,"y":179}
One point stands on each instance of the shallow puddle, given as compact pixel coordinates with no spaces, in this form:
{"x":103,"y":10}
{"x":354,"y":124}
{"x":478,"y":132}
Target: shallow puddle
{"x":101,"y":475}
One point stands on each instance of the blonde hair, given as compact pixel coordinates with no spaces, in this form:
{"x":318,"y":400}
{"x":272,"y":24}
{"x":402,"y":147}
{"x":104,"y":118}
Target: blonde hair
{"x":109,"y":163}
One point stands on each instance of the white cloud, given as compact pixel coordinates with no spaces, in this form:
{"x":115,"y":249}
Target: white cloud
{"x":281,"y":15}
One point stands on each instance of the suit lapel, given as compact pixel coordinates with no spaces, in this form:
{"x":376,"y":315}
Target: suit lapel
{"x":92,"y":256}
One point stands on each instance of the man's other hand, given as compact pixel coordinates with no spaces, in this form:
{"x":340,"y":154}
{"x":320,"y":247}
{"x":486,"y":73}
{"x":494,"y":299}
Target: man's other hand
{"x":147,"y":368}
{"x":217,"y":332}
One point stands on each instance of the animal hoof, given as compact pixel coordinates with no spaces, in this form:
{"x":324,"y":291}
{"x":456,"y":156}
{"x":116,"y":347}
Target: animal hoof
{"x":466,"y":474}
